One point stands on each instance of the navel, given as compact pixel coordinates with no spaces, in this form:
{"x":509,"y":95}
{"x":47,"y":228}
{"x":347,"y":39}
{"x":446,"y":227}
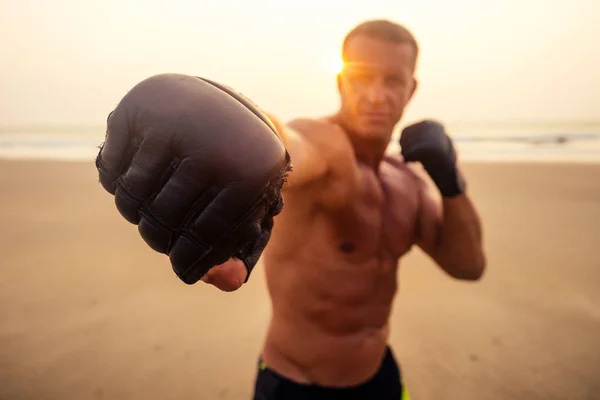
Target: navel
{"x":347,"y":247}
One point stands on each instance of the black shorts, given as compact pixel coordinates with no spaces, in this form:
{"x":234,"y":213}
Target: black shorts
{"x":386,"y":384}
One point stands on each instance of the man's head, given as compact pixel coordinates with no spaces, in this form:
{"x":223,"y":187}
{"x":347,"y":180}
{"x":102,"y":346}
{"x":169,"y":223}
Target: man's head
{"x":377,"y":80}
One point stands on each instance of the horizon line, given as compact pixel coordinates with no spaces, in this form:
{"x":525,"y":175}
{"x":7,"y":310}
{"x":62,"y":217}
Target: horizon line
{"x":519,"y":122}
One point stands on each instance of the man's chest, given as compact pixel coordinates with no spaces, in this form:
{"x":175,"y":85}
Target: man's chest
{"x":381,"y":216}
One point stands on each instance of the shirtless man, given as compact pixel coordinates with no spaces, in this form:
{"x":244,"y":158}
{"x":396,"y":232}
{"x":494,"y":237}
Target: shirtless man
{"x":350,"y":212}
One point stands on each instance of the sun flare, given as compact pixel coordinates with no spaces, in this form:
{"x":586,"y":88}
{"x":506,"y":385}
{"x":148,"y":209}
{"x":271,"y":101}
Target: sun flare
{"x":336,"y":65}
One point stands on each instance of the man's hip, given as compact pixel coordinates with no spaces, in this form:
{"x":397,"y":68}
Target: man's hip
{"x":385,"y":384}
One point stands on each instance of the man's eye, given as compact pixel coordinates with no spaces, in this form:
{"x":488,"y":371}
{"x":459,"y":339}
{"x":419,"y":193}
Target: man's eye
{"x":395,"y":81}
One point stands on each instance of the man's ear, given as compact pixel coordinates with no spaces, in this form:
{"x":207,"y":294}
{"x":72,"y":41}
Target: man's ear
{"x":415,"y":84}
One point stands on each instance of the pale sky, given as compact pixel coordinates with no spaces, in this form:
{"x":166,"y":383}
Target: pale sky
{"x":70,"y":61}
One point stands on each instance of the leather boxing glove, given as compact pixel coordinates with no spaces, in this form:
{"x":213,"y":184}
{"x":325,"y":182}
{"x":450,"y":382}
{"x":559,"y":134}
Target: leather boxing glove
{"x":198,"y":168}
{"x":427,"y":142}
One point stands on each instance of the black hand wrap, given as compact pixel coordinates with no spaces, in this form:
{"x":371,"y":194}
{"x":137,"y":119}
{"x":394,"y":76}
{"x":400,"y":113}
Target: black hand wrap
{"x":198,"y":168}
{"x":428,"y":143}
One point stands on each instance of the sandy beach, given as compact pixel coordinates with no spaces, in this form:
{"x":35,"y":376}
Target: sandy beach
{"x":88,"y":311}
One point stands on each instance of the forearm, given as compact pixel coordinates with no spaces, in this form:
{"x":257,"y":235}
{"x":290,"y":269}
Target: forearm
{"x":459,"y":250}
{"x":309,"y":162}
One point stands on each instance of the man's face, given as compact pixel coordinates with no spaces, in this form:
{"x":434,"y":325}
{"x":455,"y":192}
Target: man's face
{"x":377,"y":82}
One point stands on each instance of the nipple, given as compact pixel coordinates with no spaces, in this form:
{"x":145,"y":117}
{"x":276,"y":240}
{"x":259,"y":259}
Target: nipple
{"x":347,"y":247}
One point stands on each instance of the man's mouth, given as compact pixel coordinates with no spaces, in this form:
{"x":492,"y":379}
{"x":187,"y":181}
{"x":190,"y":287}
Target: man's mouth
{"x":378,"y":117}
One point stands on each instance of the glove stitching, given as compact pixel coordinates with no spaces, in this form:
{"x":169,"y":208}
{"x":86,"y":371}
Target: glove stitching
{"x":249,"y":104}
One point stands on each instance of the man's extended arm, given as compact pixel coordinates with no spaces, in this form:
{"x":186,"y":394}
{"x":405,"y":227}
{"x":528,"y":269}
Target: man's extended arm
{"x":320,"y":157}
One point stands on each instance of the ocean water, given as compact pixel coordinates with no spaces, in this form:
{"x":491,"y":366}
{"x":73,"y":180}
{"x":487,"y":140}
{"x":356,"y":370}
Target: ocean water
{"x":481,"y":142}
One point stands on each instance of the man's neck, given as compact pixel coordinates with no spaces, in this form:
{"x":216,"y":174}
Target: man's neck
{"x":367,"y":152}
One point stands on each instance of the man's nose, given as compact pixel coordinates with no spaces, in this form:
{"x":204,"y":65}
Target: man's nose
{"x":376,"y":94}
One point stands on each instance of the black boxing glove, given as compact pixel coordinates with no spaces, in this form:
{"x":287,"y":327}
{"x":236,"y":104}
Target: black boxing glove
{"x":428,"y":143}
{"x":198,"y":168}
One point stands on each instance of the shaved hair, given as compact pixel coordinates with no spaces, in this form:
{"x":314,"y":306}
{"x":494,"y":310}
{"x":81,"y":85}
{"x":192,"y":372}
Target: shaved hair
{"x":382,"y":29}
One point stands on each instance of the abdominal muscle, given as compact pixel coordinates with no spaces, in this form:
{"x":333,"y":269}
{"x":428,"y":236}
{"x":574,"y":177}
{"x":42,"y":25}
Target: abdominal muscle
{"x":330,"y":318}
{"x":332,"y":280}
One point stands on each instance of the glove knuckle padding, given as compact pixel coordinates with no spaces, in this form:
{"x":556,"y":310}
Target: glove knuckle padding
{"x":197,"y":167}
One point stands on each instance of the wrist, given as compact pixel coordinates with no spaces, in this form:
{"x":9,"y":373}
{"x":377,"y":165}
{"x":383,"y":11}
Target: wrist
{"x":450,"y":182}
